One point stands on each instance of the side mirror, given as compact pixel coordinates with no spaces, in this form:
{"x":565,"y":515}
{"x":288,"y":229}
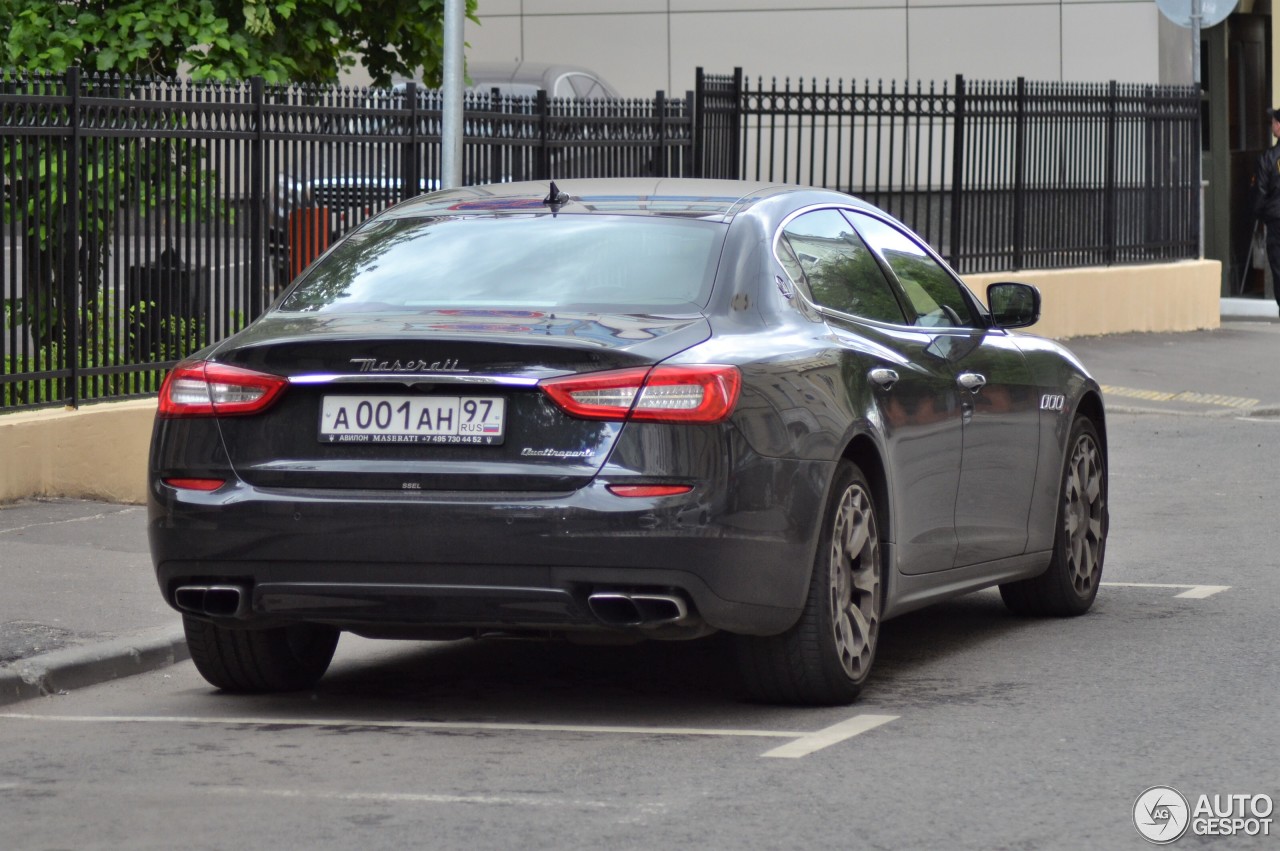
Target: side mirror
{"x":1013,"y":305}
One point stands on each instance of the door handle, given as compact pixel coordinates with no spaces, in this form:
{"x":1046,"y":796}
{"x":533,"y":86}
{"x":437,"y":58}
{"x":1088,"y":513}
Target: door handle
{"x":884,"y":377}
{"x":971,"y":381}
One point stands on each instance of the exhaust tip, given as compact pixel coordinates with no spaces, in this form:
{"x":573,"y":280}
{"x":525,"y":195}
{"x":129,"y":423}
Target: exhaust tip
{"x":660,"y":608}
{"x":645,"y":610}
{"x":218,"y":601}
{"x":190,"y":598}
{"x":614,"y":609}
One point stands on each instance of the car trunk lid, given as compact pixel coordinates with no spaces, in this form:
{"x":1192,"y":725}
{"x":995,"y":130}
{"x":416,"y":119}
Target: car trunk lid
{"x":435,"y":400}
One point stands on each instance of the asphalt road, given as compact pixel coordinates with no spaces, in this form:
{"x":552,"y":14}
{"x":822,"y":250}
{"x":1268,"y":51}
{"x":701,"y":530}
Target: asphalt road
{"x":979,"y":730}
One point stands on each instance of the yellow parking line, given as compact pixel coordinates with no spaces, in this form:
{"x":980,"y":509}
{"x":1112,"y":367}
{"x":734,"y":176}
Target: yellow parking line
{"x":1184,"y":396}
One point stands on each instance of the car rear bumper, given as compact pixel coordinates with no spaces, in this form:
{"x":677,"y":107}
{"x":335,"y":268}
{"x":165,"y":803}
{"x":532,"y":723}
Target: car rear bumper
{"x":376,"y":562}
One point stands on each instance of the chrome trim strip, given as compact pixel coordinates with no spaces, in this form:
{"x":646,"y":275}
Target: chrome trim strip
{"x":415,"y":378}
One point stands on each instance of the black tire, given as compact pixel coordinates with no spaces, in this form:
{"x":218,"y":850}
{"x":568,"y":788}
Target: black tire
{"x":285,"y":658}
{"x":1070,"y":584}
{"x":825,"y":658}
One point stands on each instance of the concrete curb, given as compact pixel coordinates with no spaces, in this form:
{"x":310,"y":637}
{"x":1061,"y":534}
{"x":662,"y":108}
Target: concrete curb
{"x":77,"y":667}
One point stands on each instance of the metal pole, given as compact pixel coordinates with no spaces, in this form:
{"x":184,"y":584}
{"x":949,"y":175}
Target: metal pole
{"x":1197,"y":15}
{"x":451,"y":142}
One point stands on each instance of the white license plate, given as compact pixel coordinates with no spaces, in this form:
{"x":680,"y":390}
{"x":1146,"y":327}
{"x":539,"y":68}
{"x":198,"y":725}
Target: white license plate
{"x":413,"y":419}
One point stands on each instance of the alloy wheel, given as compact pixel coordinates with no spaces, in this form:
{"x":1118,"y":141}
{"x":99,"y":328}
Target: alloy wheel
{"x":1084,"y":514}
{"x":855,"y":581}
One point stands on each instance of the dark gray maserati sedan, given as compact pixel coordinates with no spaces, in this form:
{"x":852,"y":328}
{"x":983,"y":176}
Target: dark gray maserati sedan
{"x":623,"y":409}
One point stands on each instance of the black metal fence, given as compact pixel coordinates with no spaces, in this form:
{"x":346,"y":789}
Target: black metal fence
{"x":997,"y":175}
{"x":143,"y":219}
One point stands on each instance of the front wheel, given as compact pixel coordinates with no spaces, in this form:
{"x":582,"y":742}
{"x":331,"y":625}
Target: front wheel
{"x":1070,"y":584}
{"x":286,"y":658}
{"x":825,"y":658}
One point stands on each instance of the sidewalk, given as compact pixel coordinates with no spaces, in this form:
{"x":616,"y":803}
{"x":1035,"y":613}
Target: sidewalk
{"x":1227,"y":372}
{"x":1249,"y":309}
{"x":80,"y":603}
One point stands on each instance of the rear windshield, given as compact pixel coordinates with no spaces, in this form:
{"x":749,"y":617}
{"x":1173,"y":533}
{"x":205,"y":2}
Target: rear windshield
{"x":610,"y":263}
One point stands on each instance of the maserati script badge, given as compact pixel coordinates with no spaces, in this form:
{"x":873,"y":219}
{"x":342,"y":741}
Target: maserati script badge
{"x":375,"y":365}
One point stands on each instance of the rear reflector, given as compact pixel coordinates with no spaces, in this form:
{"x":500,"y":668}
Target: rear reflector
{"x":208,"y":389}
{"x":663,"y":394}
{"x":195,"y":484}
{"x":648,"y":490}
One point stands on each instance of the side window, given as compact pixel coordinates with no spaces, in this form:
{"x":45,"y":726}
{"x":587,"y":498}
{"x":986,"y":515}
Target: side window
{"x":935,"y":296}
{"x":787,"y":257}
{"x":841,"y":272}
{"x":580,"y":86}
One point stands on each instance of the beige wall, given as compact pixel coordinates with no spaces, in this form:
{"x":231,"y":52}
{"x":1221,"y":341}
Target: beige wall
{"x":1119,"y":299}
{"x":100,"y":451}
{"x":96,"y":452}
{"x":644,"y":45}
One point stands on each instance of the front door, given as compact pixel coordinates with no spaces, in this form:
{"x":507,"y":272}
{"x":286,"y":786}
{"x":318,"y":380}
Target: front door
{"x":998,"y":405}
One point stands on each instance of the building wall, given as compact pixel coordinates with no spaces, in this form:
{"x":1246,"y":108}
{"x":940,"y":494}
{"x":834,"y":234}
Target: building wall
{"x":645,"y":45}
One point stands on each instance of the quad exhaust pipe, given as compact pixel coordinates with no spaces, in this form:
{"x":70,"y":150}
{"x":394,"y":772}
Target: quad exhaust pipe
{"x":645,"y":610}
{"x":217,"y":601}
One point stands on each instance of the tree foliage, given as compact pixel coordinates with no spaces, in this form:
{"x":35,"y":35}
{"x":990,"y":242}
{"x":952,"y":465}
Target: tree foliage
{"x":280,"y":40}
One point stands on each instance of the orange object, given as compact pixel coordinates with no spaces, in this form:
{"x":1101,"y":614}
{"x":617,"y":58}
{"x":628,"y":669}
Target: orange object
{"x":308,"y":237}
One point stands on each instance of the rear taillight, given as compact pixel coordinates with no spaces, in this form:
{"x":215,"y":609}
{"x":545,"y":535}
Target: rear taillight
{"x":207,"y":389}
{"x":195,"y":484}
{"x":648,"y":490}
{"x":663,"y":394}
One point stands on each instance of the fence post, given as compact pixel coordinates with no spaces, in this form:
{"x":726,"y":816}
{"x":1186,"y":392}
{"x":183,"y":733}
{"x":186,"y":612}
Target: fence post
{"x":543,"y":168}
{"x":74,"y":231}
{"x":660,"y":149}
{"x":411,"y":159}
{"x":1109,"y":196}
{"x":688,"y":150}
{"x":257,"y":197}
{"x":1019,"y":177}
{"x":736,"y":149}
{"x":495,"y":149}
{"x":957,"y":173}
{"x":699,"y":123}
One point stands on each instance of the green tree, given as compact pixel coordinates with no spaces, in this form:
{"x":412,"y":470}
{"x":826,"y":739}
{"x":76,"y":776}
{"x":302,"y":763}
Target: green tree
{"x":279,"y":40}
{"x":282,"y":41}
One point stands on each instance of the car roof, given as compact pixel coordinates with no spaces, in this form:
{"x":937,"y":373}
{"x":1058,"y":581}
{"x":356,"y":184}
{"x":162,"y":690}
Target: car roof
{"x":522,"y":72}
{"x":538,"y":74}
{"x":658,"y":196}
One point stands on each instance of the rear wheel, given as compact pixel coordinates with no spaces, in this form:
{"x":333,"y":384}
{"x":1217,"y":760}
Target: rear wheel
{"x":1070,"y":584}
{"x":284,"y":658}
{"x":826,"y":656}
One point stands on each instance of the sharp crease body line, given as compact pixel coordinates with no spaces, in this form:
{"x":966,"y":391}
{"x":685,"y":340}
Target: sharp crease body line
{"x":411,"y":725}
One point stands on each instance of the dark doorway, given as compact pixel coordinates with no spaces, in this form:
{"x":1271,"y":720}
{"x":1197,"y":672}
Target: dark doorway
{"x":1236,"y":66}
